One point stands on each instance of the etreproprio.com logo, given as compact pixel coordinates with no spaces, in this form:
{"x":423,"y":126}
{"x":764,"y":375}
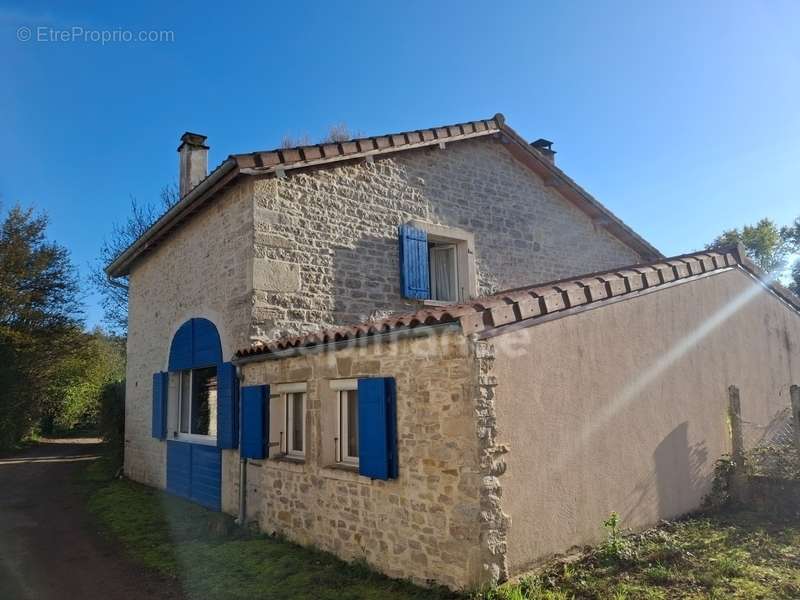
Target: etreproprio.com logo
{"x":43,"y":34}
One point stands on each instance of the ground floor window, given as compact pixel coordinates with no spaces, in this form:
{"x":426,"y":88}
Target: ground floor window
{"x":295,"y":423}
{"x":348,"y":422}
{"x":197,"y":407}
{"x":288,"y":418}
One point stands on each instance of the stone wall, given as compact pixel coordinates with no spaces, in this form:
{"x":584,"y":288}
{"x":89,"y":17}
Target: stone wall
{"x":197,"y":272}
{"x":326,"y":239}
{"x":774,"y":496}
{"x":494,"y":522}
{"x":425,"y":525}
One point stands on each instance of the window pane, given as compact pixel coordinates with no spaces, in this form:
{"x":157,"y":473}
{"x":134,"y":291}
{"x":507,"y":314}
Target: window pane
{"x":352,"y":423}
{"x":297,"y":422}
{"x":443,"y":273}
{"x":204,"y":401}
{"x":185,"y":401}
{"x":276,"y":421}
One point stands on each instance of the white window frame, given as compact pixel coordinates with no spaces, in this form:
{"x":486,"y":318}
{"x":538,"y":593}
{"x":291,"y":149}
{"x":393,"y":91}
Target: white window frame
{"x":282,"y":434}
{"x":285,"y":391}
{"x":289,"y":397}
{"x":434,"y":246}
{"x":341,"y":386}
{"x":198,"y":438}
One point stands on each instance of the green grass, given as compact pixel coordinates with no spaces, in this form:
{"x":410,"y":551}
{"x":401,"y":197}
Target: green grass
{"x":737,"y":555}
{"x":212,"y":559}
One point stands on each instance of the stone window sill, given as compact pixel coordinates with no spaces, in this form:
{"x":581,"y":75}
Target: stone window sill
{"x":285,"y":463}
{"x":438,"y":303}
{"x":343,"y":467}
{"x":288,"y":458}
{"x":342,"y":472}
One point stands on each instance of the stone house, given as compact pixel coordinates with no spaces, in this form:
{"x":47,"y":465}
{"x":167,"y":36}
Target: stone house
{"x":317,"y":343}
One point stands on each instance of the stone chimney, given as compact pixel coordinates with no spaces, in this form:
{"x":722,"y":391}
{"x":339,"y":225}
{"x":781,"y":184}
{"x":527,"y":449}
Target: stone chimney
{"x":545,"y":148}
{"x":193,"y":161}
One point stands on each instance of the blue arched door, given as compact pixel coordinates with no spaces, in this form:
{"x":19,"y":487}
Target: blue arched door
{"x":195,"y":410}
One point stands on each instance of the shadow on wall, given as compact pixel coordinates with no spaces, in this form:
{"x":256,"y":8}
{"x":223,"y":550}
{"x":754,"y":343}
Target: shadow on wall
{"x":366,"y":280}
{"x":680,"y":482}
{"x":680,"y":477}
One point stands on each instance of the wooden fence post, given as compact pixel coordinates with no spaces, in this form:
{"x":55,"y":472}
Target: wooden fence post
{"x":735,"y":418}
{"x":794,"y":394}
{"x":738,"y":481}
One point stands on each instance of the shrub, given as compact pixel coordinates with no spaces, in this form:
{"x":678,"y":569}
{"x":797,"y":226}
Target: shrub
{"x":112,"y":419}
{"x":720,"y":494}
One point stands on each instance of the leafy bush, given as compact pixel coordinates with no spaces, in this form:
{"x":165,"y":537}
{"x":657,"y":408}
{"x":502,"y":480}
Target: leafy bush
{"x":111,"y":420}
{"x":720,"y":494}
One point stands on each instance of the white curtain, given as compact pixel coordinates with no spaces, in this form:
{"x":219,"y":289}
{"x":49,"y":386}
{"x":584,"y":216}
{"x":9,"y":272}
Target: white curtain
{"x":443,"y":273}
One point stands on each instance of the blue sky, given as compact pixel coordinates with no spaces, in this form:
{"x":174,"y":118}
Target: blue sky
{"x":682,"y":117}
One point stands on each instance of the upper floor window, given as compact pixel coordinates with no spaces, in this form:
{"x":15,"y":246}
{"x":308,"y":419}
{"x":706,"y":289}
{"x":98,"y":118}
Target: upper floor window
{"x":436,"y":263}
{"x":197,"y":407}
{"x":443,"y":270}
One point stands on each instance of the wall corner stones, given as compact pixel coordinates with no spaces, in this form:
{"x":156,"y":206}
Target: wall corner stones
{"x":494,"y":523}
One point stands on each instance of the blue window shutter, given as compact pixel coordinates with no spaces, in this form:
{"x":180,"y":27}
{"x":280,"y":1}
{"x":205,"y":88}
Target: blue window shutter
{"x":254,"y":421}
{"x":160,"y":387}
{"x":180,"y":353}
{"x":227,"y":406}
{"x":206,"y":348}
{"x":377,"y":428}
{"x":414,"y":276}
{"x":195,"y":344}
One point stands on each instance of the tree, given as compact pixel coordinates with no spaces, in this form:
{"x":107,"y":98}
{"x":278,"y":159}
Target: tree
{"x":98,"y":359}
{"x":290,"y":141}
{"x":794,"y":284}
{"x":40,"y":320}
{"x":768,"y":245}
{"x":338,"y":132}
{"x":793,"y":234}
{"x":114,"y":293}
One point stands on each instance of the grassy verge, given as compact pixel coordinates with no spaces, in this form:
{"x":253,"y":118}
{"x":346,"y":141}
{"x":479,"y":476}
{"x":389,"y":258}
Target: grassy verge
{"x":213,"y":560}
{"x":739,"y":554}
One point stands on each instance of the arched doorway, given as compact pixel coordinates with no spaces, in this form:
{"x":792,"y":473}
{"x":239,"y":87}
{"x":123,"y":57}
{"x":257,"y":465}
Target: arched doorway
{"x":195,"y":412}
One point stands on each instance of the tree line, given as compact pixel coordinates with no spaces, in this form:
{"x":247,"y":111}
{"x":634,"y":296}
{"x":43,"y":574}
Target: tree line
{"x":52,"y":370}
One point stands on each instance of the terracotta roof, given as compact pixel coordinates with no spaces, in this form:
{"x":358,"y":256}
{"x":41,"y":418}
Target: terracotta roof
{"x":308,"y":156}
{"x":526,"y":305}
{"x":277,"y":162}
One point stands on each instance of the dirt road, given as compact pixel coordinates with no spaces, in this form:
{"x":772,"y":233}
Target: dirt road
{"x":48,"y":548}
